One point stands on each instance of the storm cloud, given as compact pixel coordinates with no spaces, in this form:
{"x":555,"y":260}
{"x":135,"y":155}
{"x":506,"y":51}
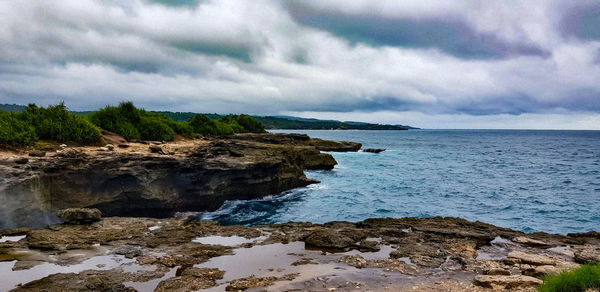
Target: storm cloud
{"x":422,"y":62}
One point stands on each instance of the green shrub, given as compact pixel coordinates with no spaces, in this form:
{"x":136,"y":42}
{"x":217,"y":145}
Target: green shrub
{"x":155,"y":130}
{"x":202,"y":125}
{"x":250,"y":124}
{"x":243,"y":123}
{"x":581,"y":279}
{"x":133,"y":123}
{"x":14,"y":131}
{"x":56,"y":123}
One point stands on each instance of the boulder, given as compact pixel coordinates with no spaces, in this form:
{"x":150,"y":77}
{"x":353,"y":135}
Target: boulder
{"x":500,"y":282}
{"x":532,"y":259}
{"x":328,"y":238}
{"x":79,"y":215}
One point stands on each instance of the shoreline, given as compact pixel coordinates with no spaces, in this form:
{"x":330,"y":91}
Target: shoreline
{"x":431,"y":254}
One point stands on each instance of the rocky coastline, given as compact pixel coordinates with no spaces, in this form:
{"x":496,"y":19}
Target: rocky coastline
{"x":146,"y":254}
{"x":119,"y":234}
{"x":156,"y":179}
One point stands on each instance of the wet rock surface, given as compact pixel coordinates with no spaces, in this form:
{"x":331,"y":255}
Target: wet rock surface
{"x":145,"y":254}
{"x":157,"y":180}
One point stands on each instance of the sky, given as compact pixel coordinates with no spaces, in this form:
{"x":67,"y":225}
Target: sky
{"x":427,"y":63}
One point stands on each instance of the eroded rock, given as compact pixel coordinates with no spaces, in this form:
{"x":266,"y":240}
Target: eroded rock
{"x":506,"y":282}
{"x":529,"y":241}
{"x":191,"y":279}
{"x":250,"y":282}
{"x":79,"y":215}
{"x":533,"y":259}
{"x":328,"y":238}
{"x":200,"y":175}
{"x":356,"y":261}
{"x":587,"y":254}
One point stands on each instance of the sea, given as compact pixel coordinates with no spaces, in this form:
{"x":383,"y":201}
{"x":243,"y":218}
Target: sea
{"x":528,"y":180}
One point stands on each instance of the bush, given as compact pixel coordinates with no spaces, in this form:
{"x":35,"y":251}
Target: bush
{"x":14,"y":131}
{"x":250,"y":124}
{"x":581,"y":279}
{"x":133,"y":123}
{"x":155,"y":130}
{"x":56,"y":123}
{"x":243,"y":123}
{"x":202,"y":125}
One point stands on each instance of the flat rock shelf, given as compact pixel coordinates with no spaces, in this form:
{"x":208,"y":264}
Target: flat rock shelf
{"x":146,"y":254}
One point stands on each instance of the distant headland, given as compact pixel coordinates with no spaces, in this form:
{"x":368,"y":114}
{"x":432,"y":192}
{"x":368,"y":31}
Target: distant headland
{"x":269,"y":122}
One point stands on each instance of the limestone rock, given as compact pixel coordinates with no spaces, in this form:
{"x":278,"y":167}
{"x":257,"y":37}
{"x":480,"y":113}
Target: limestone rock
{"x":356,"y":261}
{"x":328,"y":238}
{"x":506,"y":282}
{"x":369,"y":245}
{"x":542,"y":270}
{"x":201,"y":177}
{"x":249,"y":282}
{"x":192,"y":279}
{"x":533,"y":259}
{"x":587,"y":254}
{"x":497,"y":272}
{"x":529,"y":241}
{"x":79,"y":215}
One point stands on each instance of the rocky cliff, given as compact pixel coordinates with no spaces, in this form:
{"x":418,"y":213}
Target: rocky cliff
{"x":154,"y":180}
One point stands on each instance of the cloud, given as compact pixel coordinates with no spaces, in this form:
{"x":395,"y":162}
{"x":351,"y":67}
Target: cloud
{"x":432,"y":57}
{"x":450,"y":35}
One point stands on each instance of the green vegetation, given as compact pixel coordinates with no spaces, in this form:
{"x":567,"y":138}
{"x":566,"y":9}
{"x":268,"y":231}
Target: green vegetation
{"x":138,"y":124}
{"x":581,"y":279}
{"x":25,"y":125}
{"x":14,"y":131}
{"x":53,"y":123}
{"x":207,"y":127}
{"x":243,"y":124}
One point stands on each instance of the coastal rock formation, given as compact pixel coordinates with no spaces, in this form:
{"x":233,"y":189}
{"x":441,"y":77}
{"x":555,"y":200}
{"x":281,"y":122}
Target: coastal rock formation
{"x":507,"y":282}
{"x":373,"y":150}
{"x":145,"y":254}
{"x":156,"y":180}
{"x":79,"y":215}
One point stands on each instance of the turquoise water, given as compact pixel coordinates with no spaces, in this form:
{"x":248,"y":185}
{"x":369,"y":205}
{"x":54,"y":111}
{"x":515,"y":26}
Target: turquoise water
{"x":526,"y":180}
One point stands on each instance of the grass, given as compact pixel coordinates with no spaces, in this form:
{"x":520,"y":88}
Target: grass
{"x":578,"y":280}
